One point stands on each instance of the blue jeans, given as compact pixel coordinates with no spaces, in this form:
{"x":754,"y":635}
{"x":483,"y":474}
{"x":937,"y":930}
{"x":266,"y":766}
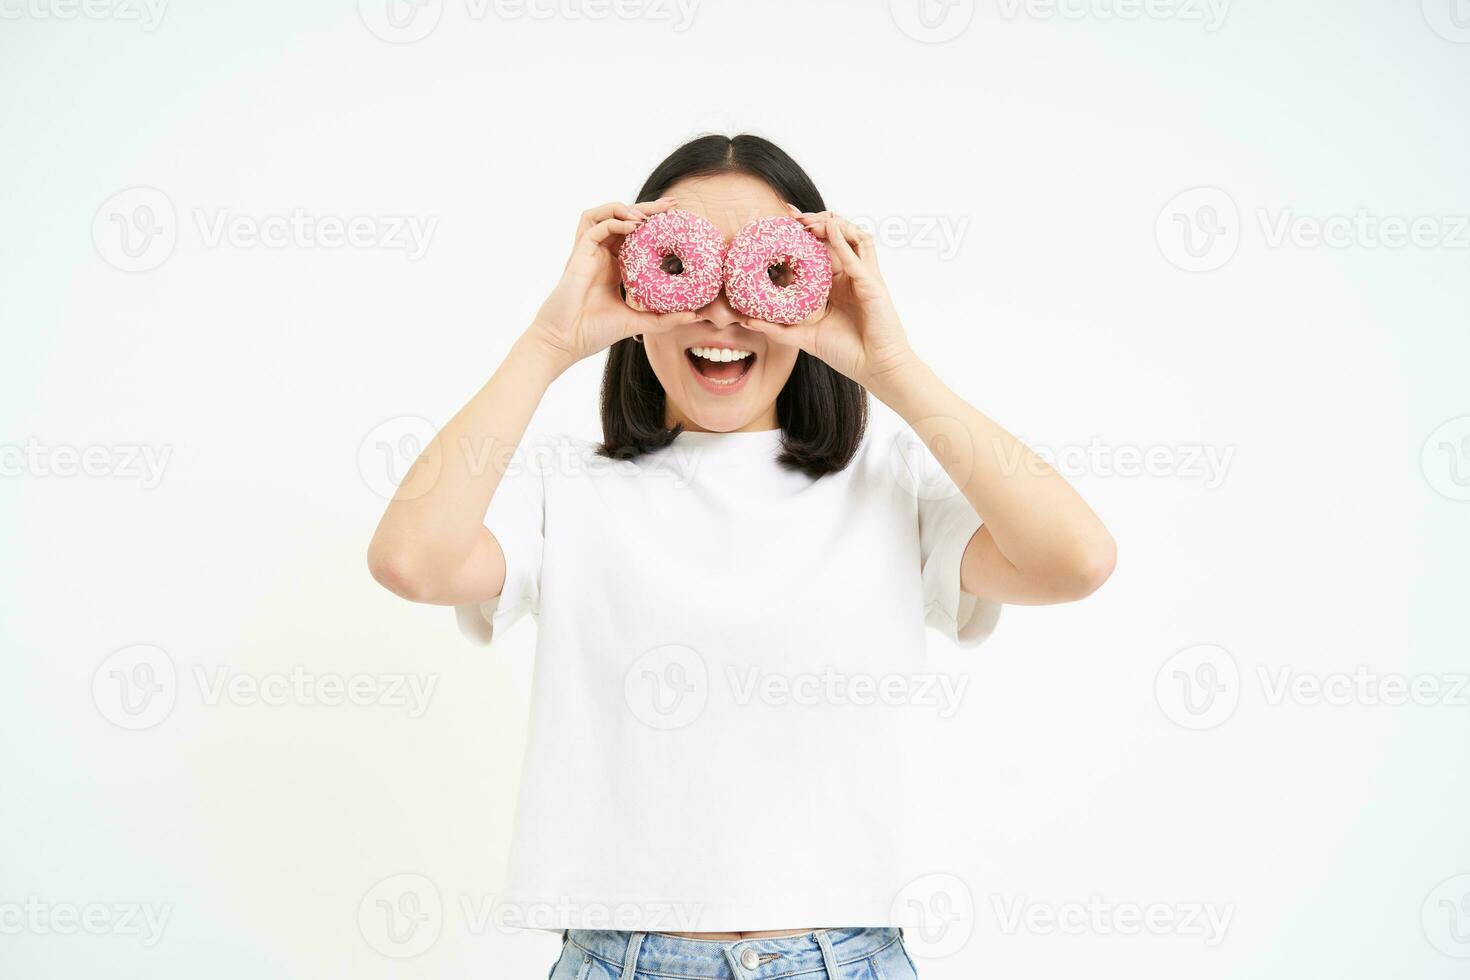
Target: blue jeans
{"x":826,"y":954}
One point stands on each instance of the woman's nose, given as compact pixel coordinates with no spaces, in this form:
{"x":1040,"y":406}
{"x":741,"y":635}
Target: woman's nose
{"x":721,"y":313}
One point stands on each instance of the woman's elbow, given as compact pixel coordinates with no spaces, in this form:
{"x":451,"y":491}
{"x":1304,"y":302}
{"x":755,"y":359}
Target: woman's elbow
{"x":396,"y":570}
{"x":1090,"y":567}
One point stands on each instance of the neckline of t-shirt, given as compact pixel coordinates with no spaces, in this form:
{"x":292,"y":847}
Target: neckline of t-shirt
{"x":758,"y":441}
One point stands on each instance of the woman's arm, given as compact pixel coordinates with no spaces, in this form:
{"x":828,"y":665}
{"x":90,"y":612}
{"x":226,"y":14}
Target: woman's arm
{"x":432,"y":544}
{"x":1040,"y":541}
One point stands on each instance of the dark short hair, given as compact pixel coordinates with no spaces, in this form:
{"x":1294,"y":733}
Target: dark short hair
{"x":822,"y":413}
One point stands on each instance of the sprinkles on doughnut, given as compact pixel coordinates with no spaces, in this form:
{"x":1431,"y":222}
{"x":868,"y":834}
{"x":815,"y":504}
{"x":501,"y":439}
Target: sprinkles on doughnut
{"x":769,"y":244}
{"x":672,"y":262}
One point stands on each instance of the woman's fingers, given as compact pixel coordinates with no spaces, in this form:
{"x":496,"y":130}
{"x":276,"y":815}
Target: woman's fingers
{"x":668,"y":321}
{"x":603,"y":230}
{"x":852,"y":247}
{"x":798,"y":335}
{"x":627,"y":212}
{"x":598,"y":237}
{"x":861,"y":242}
{"x":655,"y":207}
{"x":613,"y":209}
{"x":615,"y":218}
{"x":837,"y":232}
{"x":645,"y":322}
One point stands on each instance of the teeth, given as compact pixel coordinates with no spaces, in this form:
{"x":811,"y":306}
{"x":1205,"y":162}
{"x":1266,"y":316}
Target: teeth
{"x":719,"y":353}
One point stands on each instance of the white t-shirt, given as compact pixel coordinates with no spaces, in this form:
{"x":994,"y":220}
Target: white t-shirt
{"x":732,"y":712}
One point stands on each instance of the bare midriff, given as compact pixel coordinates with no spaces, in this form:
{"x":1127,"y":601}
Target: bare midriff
{"x":730,"y":937}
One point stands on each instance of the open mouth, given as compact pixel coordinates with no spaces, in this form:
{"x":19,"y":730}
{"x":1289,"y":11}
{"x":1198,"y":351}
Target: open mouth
{"x":720,"y":369}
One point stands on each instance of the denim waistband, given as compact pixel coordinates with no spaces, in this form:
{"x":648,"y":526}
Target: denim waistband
{"x":744,"y":959}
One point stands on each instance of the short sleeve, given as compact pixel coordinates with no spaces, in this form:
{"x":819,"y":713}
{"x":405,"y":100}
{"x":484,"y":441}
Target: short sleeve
{"x":947,"y":522}
{"x":517,"y":518}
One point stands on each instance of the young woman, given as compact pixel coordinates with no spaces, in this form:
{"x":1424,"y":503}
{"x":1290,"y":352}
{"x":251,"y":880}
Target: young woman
{"x":727,"y":772}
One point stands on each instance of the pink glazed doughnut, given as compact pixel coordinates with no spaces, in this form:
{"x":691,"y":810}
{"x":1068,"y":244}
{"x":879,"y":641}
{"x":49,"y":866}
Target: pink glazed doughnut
{"x":761,"y":246}
{"x":672,"y":262}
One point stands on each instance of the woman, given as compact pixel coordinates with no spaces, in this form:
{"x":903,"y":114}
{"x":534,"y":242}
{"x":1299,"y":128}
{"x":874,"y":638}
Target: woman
{"x":726,"y":773}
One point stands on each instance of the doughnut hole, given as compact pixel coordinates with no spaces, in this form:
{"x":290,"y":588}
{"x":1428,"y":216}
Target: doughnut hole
{"x":671,"y":264}
{"x":782,"y":274}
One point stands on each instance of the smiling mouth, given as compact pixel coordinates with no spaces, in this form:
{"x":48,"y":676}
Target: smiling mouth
{"x":720,"y":368}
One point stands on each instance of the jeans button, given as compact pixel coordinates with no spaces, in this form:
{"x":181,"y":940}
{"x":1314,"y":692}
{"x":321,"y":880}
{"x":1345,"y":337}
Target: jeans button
{"x":750,"y":959}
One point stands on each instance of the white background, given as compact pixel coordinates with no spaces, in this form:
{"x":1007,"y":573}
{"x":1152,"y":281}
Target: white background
{"x":1327,"y":381}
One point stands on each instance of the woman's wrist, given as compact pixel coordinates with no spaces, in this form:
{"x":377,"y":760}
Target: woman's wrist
{"x":896,"y":375}
{"x":541,"y":356}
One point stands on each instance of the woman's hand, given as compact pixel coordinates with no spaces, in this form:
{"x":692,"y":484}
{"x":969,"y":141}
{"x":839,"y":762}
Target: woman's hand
{"x":585,"y":313}
{"x":1040,"y":542}
{"x":432,"y":544}
{"x":859,"y":333}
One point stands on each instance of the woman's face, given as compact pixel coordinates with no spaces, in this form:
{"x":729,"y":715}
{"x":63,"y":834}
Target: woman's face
{"x":707,"y":388}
